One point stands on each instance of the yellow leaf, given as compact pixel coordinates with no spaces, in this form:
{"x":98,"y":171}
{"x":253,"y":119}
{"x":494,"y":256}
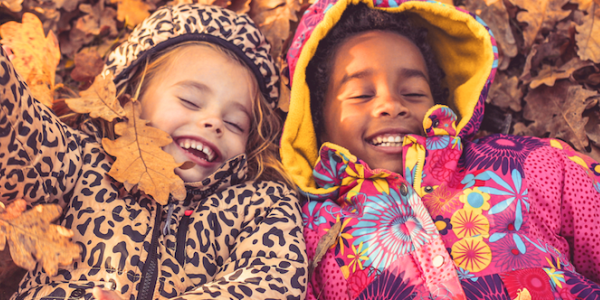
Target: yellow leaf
{"x":273,"y":19}
{"x":539,"y":15}
{"x":14,"y":5}
{"x":33,"y":238}
{"x":140,"y":159}
{"x":133,"y":11}
{"x":100,"y":100}
{"x":587,"y":37}
{"x":36,"y":56}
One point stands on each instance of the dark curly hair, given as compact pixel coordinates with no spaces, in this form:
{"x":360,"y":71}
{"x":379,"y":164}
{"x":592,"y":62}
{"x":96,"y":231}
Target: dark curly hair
{"x":357,"y":19}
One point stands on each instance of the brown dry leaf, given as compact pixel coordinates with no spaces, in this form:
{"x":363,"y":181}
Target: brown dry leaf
{"x":88,"y":64}
{"x":273,"y":18}
{"x":239,"y":6}
{"x":585,"y":4}
{"x":36,"y":56}
{"x":549,"y":74}
{"x":588,"y":37}
{"x":505,"y":92}
{"x":13,"y":5}
{"x":526,"y":75}
{"x":221,"y":3}
{"x":100,"y":100}
{"x":593,"y":127}
{"x":32,"y":237}
{"x":68,"y":5}
{"x":325,"y":242}
{"x":558,"y":110}
{"x":132,"y":12}
{"x":140,"y":159}
{"x":496,"y":17}
{"x":539,"y":15}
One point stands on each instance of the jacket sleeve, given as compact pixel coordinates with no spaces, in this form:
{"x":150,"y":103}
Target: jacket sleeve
{"x":268,"y":260}
{"x":564,"y":190}
{"x":40,"y":156}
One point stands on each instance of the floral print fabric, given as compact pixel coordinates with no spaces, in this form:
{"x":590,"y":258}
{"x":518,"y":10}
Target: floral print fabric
{"x":467,"y":233}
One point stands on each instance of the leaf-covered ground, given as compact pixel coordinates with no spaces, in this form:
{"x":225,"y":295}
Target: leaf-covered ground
{"x":547,"y":85}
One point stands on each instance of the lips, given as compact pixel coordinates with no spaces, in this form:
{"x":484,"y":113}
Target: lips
{"x":201,"y":150}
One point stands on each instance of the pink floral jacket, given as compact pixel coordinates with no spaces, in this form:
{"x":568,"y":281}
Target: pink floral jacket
{"x":503,"y":217}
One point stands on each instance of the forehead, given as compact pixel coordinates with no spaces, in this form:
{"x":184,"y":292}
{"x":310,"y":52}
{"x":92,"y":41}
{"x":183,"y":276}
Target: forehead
{"x":378,"y":48}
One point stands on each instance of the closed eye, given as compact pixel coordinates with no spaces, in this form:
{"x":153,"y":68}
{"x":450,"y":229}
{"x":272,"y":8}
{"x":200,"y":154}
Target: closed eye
{"x":236,"y":126}
{"x":189,"y":103}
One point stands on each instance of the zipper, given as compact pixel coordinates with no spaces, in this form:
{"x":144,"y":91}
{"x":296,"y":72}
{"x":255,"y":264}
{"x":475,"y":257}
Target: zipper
{"x":150,"y":270}
{"x":181,"y":235}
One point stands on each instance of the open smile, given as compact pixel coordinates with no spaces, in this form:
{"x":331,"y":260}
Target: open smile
{"x":201,"y":152}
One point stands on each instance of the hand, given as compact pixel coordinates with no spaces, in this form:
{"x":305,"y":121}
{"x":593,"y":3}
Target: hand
{"x":101,"y":294}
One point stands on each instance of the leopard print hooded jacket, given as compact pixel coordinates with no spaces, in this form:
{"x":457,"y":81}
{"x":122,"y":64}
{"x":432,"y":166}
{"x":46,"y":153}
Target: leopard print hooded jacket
{"x":229,"y":239}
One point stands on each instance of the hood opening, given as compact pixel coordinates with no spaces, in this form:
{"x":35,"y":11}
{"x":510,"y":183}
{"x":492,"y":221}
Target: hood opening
{"x":461,"y":43}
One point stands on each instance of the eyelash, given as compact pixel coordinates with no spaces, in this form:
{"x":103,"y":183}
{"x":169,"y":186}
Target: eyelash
{"x":236,"y":126}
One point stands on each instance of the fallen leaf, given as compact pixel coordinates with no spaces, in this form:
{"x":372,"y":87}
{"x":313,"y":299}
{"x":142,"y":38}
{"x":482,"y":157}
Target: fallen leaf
{"x":68,"y":5}
{"x":132,"y":12}
{"x":88,"y":64}
{"x":549,"y":74}
{"x":14,"y":5}
{"x":325,"y":242}
{"x":505,"y":92}
{"x":592,"y":128}
{"x":273,"y":18}
{"x":140,"y":159}
{"x":36,"y":56}
{"x":496,"y":17}
{"x":558,"y":111}
{"x":587,"y":37}
{"x":526,"y":75}
{"x":32,"y":238}
{"x":100,"y":100}
{"x":539,"y":15}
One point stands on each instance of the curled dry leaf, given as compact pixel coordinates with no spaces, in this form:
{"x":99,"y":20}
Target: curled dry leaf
{"x":88,"y":64}
{"x":496,"y":17}
{"x":558,"y":111}
{"x":587,"y":37}
{"x":549,"y":74}
{"x":36,"y":56}
{"x":505,"y":92}
{"x":100,"y":100}
{"x":273,"y":18}
{"x":538,"y":15}
{"x":140,"y":159}
{"x":325,"y":242}
{"x":32,"y":238}
{"x":13,"y":5}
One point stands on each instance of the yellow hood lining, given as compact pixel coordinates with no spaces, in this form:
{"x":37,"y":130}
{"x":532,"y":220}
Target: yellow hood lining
{"x":463,"y":50}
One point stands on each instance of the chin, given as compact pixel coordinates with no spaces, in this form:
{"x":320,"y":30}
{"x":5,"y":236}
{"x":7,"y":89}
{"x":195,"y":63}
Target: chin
{"x":191,"y":175}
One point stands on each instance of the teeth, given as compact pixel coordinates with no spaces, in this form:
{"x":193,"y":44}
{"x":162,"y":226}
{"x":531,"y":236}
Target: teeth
{"x":387,"y":141}
{"x":192,"y":144}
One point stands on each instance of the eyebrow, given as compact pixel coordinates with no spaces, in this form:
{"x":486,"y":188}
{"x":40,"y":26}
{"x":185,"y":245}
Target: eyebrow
{"x":194,"y":84}
{"x":404,"y":72}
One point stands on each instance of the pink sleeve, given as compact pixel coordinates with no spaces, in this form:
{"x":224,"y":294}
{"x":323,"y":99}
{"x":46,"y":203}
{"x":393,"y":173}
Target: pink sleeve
{"x":564,"y":194}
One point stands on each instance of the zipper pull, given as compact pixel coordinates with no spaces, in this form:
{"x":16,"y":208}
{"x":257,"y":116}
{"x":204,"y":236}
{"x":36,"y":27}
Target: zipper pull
{"x":168,"y":220}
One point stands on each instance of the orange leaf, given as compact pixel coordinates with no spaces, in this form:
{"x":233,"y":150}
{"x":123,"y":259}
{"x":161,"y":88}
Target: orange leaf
{"x":132,"y":11}
{"x":14,"y":5}
{"x":36,"y":56}
{"x":587,"y":37}
{"x":100,"y":100}
{"x":549,"y":74}
{"x":140,"y":159}
{"x":33,"y":238}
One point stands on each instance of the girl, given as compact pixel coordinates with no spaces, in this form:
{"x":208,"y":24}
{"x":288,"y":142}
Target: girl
{"x":211,"y":84}
{"x":418,"y":208}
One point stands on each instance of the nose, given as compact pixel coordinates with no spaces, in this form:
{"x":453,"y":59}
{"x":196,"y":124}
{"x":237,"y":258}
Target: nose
{"x":212,"y":123}
{"x":390,"y":106}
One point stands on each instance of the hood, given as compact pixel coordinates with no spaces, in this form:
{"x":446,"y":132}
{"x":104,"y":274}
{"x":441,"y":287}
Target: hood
{"x":170,"y":25}
{"x":462,"y":43}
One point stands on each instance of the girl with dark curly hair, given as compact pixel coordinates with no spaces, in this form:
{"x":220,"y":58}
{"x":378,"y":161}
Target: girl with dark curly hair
{"x":402,"y":202}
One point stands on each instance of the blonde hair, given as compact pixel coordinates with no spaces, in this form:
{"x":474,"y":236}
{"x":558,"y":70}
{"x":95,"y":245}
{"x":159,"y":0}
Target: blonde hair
{"x":261,"y":150}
